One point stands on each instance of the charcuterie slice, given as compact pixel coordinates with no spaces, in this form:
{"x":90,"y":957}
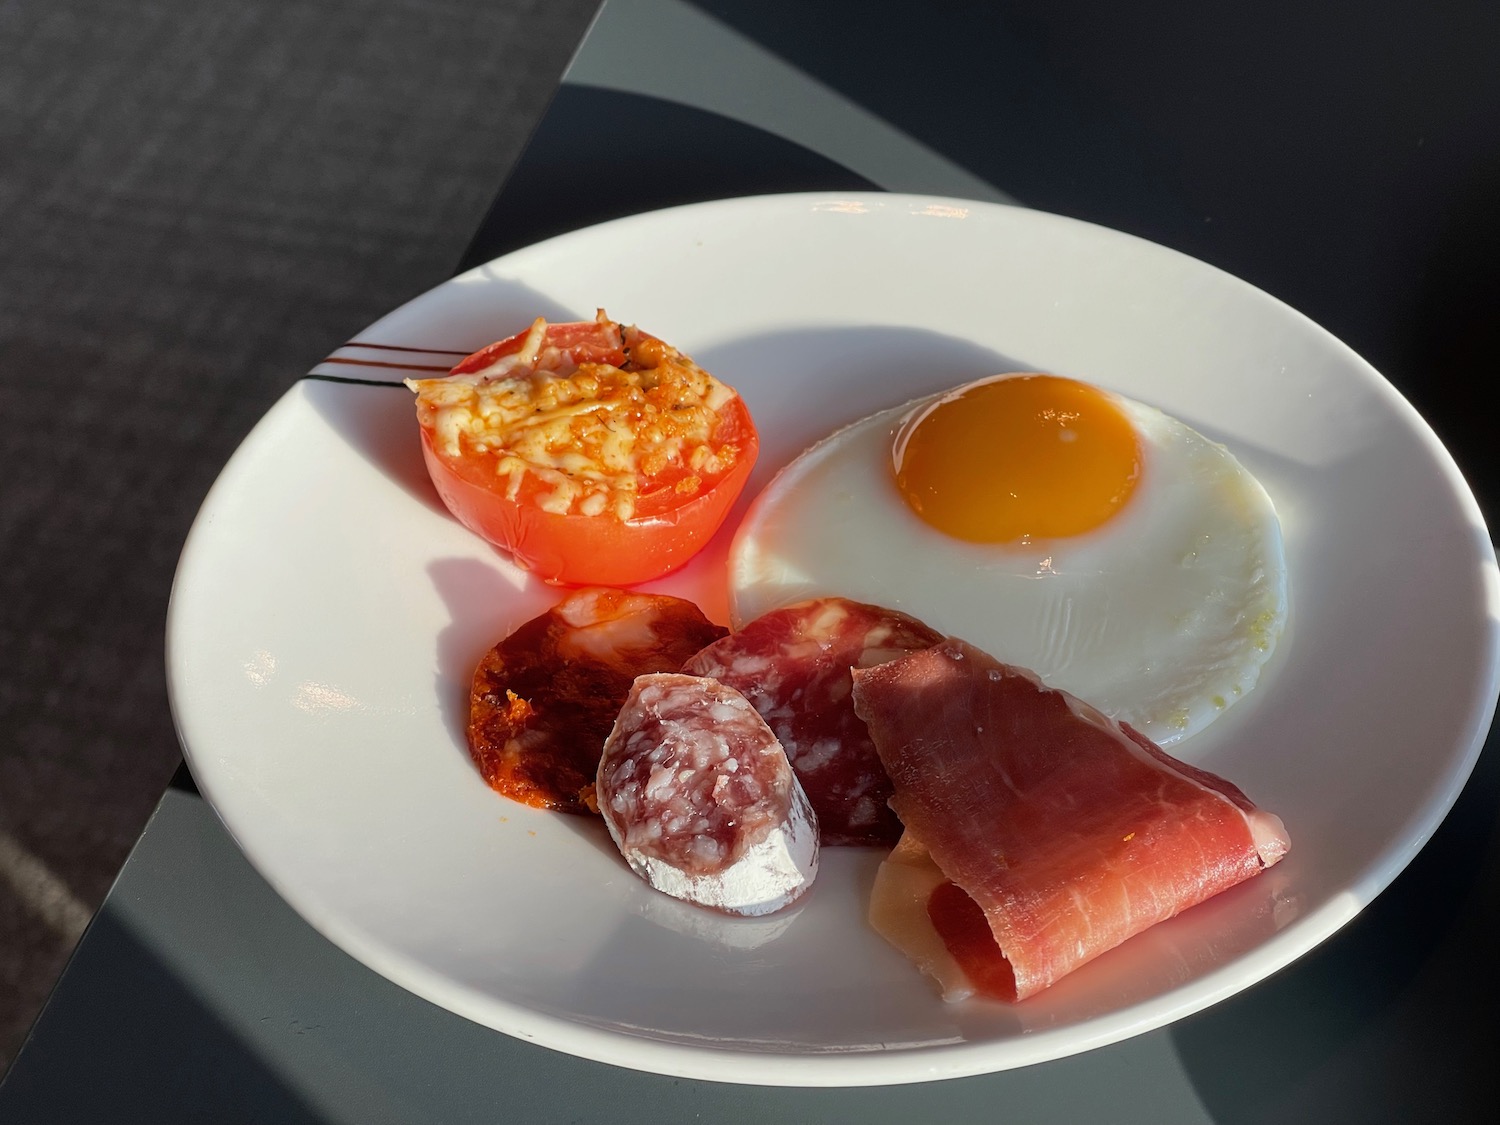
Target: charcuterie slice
{"x":793,"y":664}
{"x":544,"y":699}
{"x":1058,"y":833}
{"x":699,"y":798}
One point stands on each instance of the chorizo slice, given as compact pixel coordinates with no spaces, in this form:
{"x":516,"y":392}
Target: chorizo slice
{"x":701,"y":801}
{"x":543,"y":699}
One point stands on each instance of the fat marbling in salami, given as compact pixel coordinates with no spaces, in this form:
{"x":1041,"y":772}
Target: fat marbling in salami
{"x":794,"y":665}
{"x":701,"y":801}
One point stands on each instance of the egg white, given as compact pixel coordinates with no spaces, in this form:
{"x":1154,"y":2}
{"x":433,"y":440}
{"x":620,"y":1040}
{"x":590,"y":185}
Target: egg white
{"x":1163,"y":617}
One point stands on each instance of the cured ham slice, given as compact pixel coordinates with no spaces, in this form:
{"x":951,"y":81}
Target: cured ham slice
{"x":699,"y":798}
{"x":543,"y":700}
{"x":1062,"y":831}
{"x":793,"y":665}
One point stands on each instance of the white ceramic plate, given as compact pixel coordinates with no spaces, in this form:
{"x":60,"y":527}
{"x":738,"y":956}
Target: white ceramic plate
{"x":327,"y":615}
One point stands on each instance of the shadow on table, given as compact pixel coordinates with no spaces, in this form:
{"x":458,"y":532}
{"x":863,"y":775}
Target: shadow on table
{"x":1411,"y":980}
{"x":115,"y":993}
{"x":604,"y":154}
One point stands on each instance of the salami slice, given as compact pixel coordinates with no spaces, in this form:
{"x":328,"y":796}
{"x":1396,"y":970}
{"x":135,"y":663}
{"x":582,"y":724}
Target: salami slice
{"x":699,"y":798}
{"x":544,"y":699}
{"x":794,"y":665}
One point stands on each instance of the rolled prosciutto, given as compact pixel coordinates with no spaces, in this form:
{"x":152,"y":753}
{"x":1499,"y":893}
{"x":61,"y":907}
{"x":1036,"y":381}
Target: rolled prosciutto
{"x":1039,"y":833}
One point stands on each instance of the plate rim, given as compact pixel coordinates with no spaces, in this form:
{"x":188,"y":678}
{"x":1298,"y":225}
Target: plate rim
{"x":837,"y":1068}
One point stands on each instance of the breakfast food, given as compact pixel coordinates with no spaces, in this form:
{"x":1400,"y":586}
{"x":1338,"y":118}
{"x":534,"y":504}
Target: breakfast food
{"x":1099,"y":549}
{"x":1093,"y":539}
{"x":543,"y":699}
{"x":1054,"y":832}
{"x":793,"y":665}
{"x":701,"y":801}
{"x":592,"y":452}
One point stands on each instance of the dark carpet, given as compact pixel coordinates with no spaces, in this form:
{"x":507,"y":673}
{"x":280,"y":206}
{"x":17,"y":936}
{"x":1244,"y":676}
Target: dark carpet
{"x":198,"y":201}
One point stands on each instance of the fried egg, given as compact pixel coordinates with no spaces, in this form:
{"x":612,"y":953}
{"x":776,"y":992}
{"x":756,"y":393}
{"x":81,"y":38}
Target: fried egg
{"x":1108,"y":547}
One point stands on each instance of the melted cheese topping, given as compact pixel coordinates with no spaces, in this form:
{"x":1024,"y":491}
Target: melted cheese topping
{"x":593,"y":435}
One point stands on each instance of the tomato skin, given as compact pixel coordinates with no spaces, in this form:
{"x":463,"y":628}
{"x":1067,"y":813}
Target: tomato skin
{"x":579,"y":550}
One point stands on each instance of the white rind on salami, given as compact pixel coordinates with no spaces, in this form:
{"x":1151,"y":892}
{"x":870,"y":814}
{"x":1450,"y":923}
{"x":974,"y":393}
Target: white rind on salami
{"x":769,"y":876}
{"x":698,"y":795}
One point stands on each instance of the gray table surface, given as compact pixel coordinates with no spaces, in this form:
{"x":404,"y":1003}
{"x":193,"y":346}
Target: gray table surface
{"x":197,"y":994}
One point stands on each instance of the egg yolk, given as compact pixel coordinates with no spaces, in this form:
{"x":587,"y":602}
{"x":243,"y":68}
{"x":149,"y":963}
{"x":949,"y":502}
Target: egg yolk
{"x":1018,"y":458}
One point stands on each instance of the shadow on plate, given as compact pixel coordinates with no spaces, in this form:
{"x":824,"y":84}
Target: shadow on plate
{"x":487,"y":605}
{"x":830,"y":376}
{"x":379,"y":421}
